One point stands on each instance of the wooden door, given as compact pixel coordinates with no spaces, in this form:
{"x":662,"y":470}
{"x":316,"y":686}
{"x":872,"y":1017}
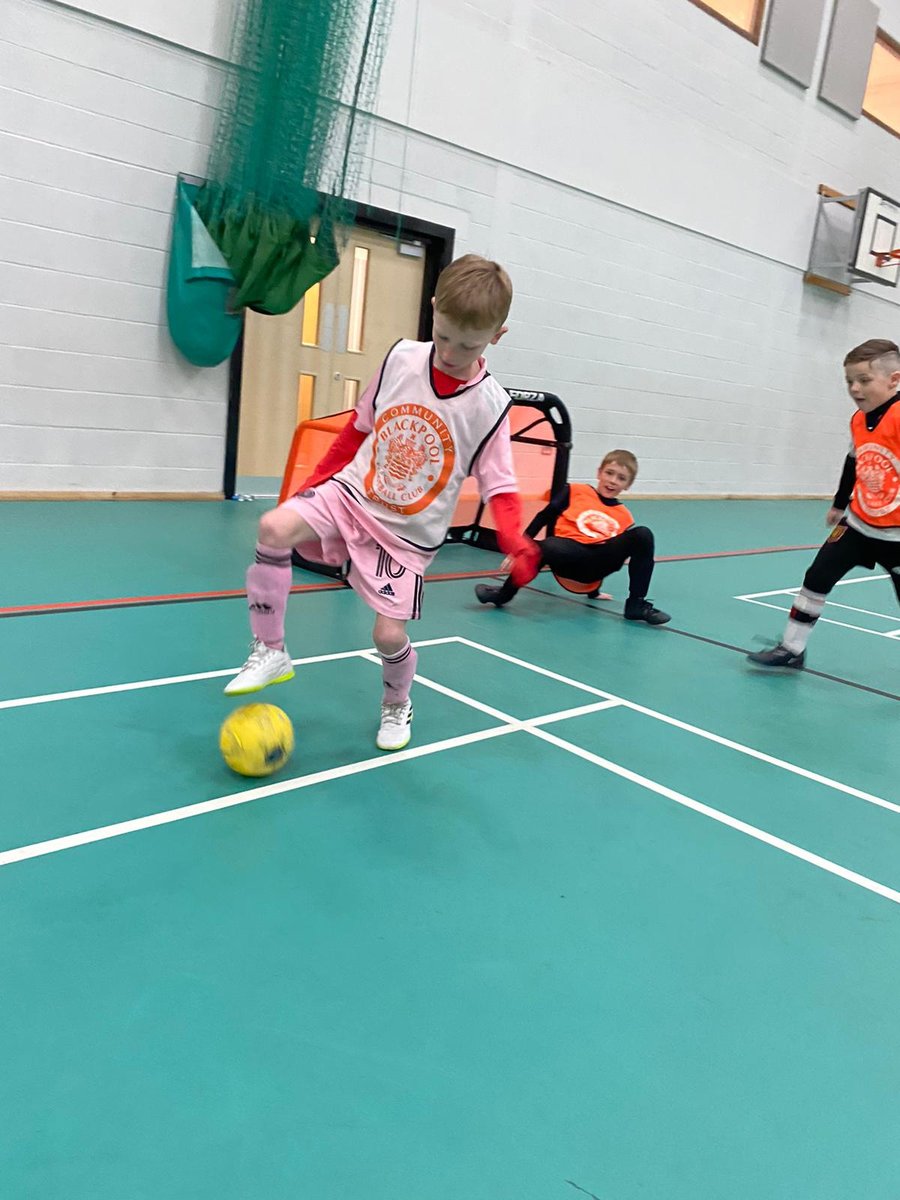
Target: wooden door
{"x":316,"y":359}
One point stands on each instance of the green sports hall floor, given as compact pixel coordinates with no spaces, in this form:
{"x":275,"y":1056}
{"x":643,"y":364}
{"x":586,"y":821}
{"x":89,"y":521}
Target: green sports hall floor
{"x":648,"y":950}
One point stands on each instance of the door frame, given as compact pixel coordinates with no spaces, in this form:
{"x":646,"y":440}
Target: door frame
{"x":438,"y":241}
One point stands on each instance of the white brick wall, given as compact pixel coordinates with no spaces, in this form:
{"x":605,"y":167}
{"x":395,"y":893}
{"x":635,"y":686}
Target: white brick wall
{"x":203,"y":25}
{"x":95,"y":121}
{"x":652,"y":104}
{"x":655,"y":211}
{"x":650,"y":185}
{"x":718,"y":367}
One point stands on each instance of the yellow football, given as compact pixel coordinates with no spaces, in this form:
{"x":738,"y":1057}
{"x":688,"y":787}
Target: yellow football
{"x":257,"y":739}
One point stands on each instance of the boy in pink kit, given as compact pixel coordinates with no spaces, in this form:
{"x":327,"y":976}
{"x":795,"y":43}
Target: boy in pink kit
{"x":384,"y":494}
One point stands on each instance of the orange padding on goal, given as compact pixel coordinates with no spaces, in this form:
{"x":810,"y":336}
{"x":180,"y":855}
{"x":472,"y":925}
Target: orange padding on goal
{"x":533,"y":465}
{"x":308,"y":447}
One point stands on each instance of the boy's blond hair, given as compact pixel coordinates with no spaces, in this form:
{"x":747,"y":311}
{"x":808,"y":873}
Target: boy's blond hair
{"x":474,"y":293}
{"x":622,"y":458}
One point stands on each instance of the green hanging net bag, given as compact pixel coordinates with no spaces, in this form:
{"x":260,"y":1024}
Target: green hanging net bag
{"x":288,"y":148}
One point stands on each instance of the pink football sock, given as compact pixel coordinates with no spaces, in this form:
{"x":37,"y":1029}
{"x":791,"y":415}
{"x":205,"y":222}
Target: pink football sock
{"x":268,"y":586}
{"x":398,"y":671}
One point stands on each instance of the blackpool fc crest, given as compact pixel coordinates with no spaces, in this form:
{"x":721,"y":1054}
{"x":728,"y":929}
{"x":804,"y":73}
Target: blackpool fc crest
{"x":412,"y":458}
{"x":877,"y":480}
{"x":597,"y":525}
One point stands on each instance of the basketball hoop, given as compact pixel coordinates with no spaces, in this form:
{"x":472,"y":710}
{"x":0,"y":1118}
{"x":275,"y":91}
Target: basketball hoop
{"x":883,"y":257}
{"x":875,"y":255}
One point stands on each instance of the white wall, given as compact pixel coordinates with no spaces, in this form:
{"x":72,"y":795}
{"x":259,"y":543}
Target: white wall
{"x":651,"y":103}
{"x":652,"y":188}
{"x":203,"y":25}
{"x":718,"y":367}
{"x":650,"y":185}
{"x":95,"y":122}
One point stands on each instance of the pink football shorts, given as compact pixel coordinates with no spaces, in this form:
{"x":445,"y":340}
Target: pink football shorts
{"x":386,"y":586}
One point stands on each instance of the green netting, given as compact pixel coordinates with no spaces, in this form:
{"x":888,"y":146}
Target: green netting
{"x":288,"y":147}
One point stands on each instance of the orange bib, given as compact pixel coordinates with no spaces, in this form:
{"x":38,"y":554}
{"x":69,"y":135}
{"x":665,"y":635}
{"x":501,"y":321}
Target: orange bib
{"x":589,"y":520}
{"x":876,"y":495}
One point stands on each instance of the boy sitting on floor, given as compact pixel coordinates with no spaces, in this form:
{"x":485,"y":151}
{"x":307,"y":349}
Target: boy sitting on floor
{"x":591,"y":534}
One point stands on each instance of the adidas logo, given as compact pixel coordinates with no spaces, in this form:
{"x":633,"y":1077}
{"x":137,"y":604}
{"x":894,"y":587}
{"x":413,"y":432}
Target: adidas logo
{"x":261,"y":607}
{"x":387,"y":590}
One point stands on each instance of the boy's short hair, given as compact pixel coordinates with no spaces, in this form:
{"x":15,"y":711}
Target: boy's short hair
{"x":877,"y":350}
{"x":622,"y":458}
{"x":474,"y":293}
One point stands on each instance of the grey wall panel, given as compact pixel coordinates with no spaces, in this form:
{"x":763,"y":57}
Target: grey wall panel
{"x":849,"y":53}
{"x":792,"y":37}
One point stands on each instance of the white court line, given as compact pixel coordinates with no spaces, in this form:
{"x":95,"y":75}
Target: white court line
{"x":868,"y":612}
{"x":525,"y":723}
{"x":695,"y":729}
{"x":515,"y":722}
{"x":828,"y":620}
{"x":533,"y":727}
{"x":53,"y":845}
{"x":80,"y":693}
{"x":513,"y":725}
{"x":120,"y":828}
{"x":581,"y":711}
{"x":369,"y":653}
{"x":794,"y":590}
{"x":815,"y":860}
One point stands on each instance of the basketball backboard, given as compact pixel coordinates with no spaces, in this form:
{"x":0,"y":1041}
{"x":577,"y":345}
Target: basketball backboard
{"x":856,"y":239}
{"x":875,"y":251}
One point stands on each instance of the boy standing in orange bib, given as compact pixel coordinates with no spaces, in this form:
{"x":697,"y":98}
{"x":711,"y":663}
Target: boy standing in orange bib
{"x":591,"y":535}
{"x":865,"y":512}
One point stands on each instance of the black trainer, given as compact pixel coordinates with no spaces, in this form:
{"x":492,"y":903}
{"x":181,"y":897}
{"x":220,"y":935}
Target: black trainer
{"x":642,"y":610}
{"x":489,"y":595}
{"x":778,"y":656}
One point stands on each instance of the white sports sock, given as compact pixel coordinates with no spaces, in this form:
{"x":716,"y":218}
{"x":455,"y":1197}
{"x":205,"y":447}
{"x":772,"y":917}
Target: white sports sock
{"x":805,"y":611}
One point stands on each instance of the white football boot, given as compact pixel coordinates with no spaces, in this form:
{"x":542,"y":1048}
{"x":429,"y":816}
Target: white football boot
{"x":264,"y":666}
{"x":396,"y":726}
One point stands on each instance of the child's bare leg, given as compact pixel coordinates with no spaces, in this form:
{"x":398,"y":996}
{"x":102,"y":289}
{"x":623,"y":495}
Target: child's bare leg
{"x":284,"y":528}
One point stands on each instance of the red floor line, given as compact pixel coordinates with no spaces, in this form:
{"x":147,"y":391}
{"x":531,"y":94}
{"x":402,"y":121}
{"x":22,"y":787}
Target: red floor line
{"x":38,"y":610}
{"x":126,"y":601}
{"x":731,"y":553}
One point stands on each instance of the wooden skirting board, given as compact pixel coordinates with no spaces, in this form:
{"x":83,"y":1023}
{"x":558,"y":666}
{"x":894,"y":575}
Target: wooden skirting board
{"x":629,"y":496}
{"x":221,"y":496}
{"x":111,"y":496}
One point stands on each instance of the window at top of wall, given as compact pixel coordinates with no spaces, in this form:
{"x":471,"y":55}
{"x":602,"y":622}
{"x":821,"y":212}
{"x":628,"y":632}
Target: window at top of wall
{"x":881,"y":102}
{"x":743,"y":15}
